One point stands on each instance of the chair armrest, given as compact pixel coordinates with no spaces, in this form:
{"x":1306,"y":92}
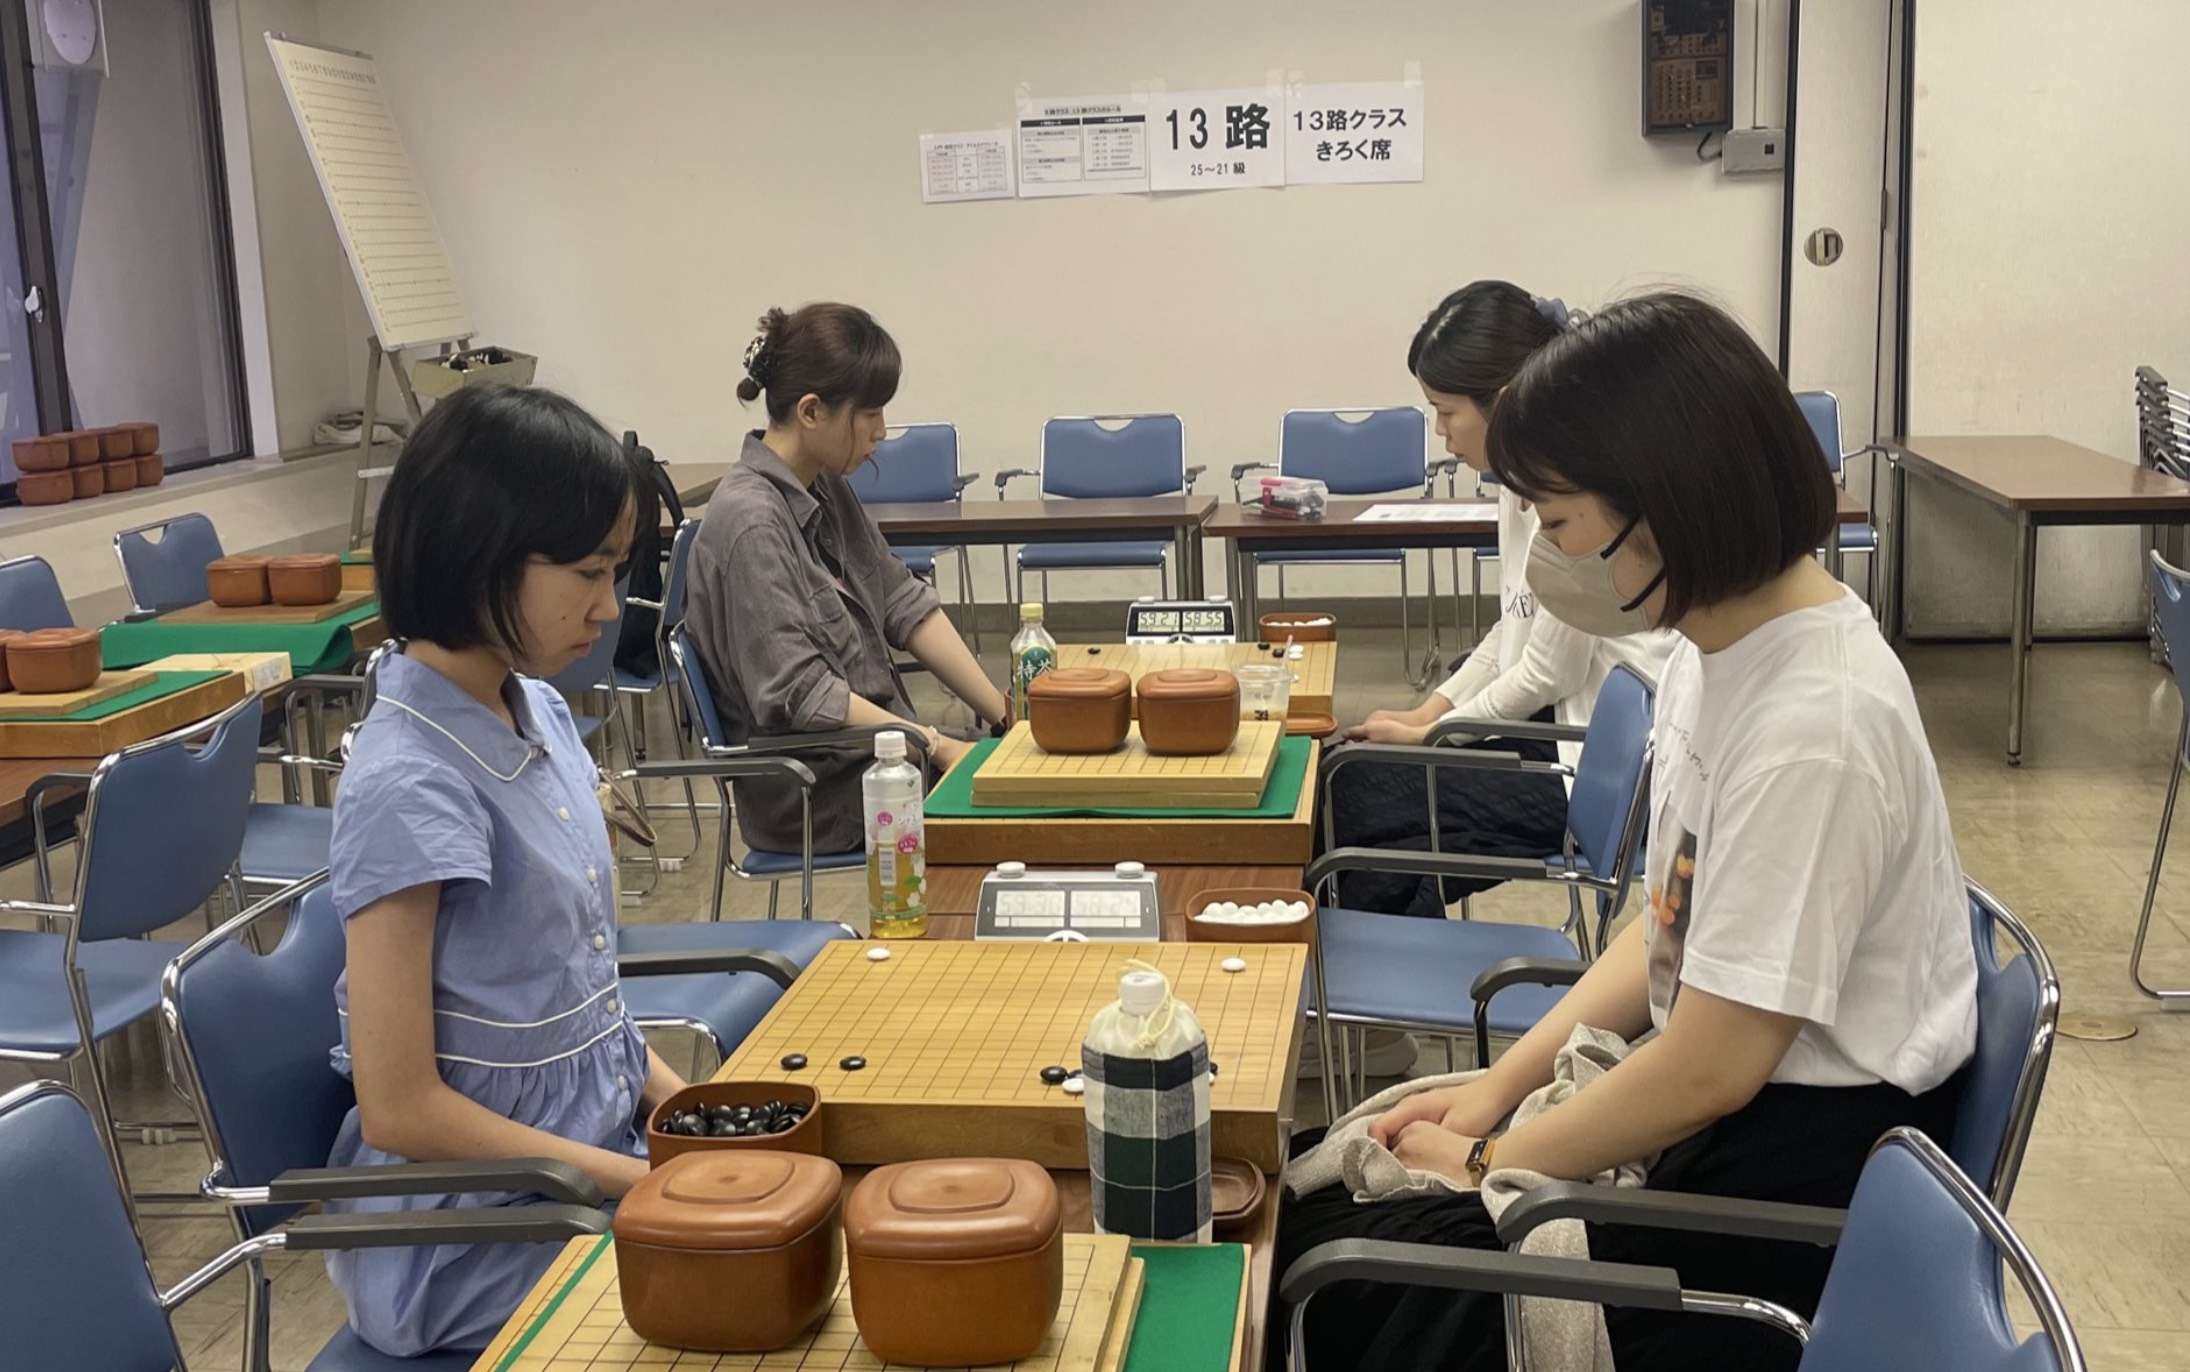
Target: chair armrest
{"x":766,"y":961}
{"x":1569,"y":1200}
{"x":274,"y":757}
{"x":1525,"y":972}
{"x":1193,"y":474}
{"x":558,"y":1181}
{"x":1239,"y":473}
{"x":654,"y":605}
{"x":34,"y":795}
{"x":721,"y":767}
{"x":1469,"y":1269}
{"x":1006,"y":475}
{"x":963,"y":480}
{"x":1436,"y":759}
{"x":1424,"y":864}
{"x":1505,"y":728}
{"x":467,"y":1224}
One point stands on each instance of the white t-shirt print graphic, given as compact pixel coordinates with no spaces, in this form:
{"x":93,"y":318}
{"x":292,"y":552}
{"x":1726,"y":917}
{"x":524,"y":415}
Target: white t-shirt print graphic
{"x":1800,"y":858}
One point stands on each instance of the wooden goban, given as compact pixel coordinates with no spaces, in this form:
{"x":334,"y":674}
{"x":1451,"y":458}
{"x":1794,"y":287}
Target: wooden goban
{"x":573,"y":1321}
{"x":1315,"y":675}
{"x":1020,"y":773}
{"x":16,"y":705}
{"x":98,"y":737}
{"x":1284,"y":841}
{"x":956,"y":1034}
{"x":206,"y":612}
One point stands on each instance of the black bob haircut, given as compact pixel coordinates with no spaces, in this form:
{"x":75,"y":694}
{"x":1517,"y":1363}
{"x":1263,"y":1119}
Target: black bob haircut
{"x":1666,"y":409}
{"x":493,"y":477}
{"x":1476,"y":339}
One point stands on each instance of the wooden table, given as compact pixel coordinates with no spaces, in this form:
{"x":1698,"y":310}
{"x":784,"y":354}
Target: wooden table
{"x":1178,"y":518}
{"x":695,"y":481}
{"x":1340,"y":530}
{"x":2037,"y":481}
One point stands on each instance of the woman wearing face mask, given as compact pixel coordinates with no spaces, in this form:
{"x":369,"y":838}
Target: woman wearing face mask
{"x":795,"y":600}
{"x":1529,"y":667}
{"x":1805,"y":953}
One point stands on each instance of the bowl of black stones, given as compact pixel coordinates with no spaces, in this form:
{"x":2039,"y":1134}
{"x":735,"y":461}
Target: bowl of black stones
{"x":777,"y":1115}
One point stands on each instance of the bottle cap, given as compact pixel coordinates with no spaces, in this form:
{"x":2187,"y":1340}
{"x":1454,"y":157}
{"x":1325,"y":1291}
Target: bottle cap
{"x":1141,"y":992}
{"x":1031,"y":612}
{"x":889,"y":745}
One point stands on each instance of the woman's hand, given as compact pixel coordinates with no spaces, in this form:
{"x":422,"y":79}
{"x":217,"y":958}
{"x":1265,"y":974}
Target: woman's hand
{"x":1388,"y":730}
{"x":1473,"y":1108}
{"x":946,"y":750}
{"x":1423,"y":1147}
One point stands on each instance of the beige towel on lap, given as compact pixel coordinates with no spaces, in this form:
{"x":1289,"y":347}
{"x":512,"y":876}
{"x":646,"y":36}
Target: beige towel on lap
{"x":1561,"y":1336}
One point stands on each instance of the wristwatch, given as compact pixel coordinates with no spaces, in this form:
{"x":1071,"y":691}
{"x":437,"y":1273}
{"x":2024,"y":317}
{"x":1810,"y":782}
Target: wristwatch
{"x":1478,"y":1163}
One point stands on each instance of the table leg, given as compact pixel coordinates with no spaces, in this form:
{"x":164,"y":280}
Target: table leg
{"x":2026,"y":576}
{"x":1190,"y":568}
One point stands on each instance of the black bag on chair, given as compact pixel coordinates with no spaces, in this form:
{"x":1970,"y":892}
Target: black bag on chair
{"x":636,"y":650}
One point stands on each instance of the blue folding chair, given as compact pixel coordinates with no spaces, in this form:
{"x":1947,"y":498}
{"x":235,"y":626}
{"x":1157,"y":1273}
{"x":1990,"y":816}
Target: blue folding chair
{"x":1111,"y":456}
{"x":1916,"y":1281}
{"x":162,"y":830}
{"x":2170,"y":587}
{"x":1822,"y":409}
{"x":163,"y":564}
{"x":30,"y":598}
{"x":1356,"y":451}
{"x":917,"y":464}
{"x":1393,"y":971}
{"x":676,"y":575}
{"x":76,"y":1284}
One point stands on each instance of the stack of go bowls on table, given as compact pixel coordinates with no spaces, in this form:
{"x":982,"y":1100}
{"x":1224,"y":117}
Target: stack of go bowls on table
{"x":78,"y":465}
{"x":45,"y":662}
{"x":1185,"y":712}
{"x":245,"y":580}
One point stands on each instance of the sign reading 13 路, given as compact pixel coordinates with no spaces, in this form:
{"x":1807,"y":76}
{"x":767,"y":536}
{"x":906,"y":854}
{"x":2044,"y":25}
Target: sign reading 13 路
{"x":1216,"y":140}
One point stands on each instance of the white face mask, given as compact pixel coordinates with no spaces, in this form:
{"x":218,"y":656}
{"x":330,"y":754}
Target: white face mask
{"x":1579,"y":590}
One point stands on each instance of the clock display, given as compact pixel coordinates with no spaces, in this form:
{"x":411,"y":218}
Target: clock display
{"x":1202,"y":622}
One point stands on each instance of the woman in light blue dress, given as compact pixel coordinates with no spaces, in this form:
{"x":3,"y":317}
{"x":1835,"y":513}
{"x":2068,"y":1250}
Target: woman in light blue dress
{"x":482,"y":1017}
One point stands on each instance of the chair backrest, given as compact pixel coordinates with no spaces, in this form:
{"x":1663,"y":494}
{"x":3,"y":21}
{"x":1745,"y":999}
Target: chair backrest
{"x":1087,"y":458}
{"x":30,"y":596}
{"x":163,"y":825}
{"x":664,"y":489}
{"x":1356,"y":452}
{"x":2018,"y":1006}
{"x":595,"y":668}
{"x":1916,"y":1280}
{"x":679,"y":574}
{"x":163,"y":565}
{"x":1822,"y":409}
{"x":913,"y":463}
{"x":2171,"y":605}
{"x":251,"y":1035}
{"x":1612,"y":775}
{"x":691,"y":677}
{"x":75,"y":1287}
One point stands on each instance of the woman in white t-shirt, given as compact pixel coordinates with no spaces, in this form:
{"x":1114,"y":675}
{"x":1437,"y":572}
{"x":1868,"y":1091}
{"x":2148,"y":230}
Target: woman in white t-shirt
{"x":1805,"y":952}
{"x":1530,"y":666}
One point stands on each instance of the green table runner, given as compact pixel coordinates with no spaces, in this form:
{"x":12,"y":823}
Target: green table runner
{"x":162,"y":684}
{"x":322,"y":647}
{"x":954,"y":798}
{"x":1189,"y":1307}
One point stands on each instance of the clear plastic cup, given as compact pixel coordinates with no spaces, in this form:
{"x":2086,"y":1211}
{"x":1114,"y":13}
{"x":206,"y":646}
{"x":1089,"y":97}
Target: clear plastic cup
{"x":1264,"y":691}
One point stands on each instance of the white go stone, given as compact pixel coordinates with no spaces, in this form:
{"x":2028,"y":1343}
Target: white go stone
{"x":1234,"y":964}
{"x":1073,"y":1086}
{"x":878,"y":955}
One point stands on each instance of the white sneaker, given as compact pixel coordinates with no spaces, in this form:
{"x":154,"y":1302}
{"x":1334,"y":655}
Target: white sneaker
{"x":1390,"y":1054}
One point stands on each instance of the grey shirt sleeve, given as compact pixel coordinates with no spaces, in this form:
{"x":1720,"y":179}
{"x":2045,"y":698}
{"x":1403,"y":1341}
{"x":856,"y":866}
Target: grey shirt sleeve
{"x":768,"y":644}
{"x":906,"y":599}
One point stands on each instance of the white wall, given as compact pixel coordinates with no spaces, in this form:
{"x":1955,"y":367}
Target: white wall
{"x":2047,"y":262}
{"x":625,"y":187}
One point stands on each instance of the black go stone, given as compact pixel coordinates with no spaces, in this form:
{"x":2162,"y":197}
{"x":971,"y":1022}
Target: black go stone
{"x":794,"y":1062}
{"x":1054,"y":1075}
{"x":853,"y":1063}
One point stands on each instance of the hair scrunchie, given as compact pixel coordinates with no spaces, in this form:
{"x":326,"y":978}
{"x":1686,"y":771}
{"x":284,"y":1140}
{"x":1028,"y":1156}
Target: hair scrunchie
{"x":1554,"y":311}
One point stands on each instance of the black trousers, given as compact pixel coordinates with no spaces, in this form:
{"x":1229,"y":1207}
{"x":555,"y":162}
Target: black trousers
{"x":1800,"y":1144}
{"x":1483,"y":813}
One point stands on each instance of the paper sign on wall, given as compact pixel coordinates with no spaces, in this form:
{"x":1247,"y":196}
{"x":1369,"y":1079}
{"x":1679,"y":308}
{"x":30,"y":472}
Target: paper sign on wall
{"x":965,"y":166}
{"x":1089,"y":145}
{"x":1354,"y":132}
{"x":1216,"y":140}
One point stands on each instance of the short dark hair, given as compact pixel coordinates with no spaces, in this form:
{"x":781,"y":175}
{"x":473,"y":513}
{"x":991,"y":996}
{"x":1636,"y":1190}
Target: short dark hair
{"x":493,"y":477}
{"x":1667,"y":410}
{"x":836,"y":352}
{"x":1476,"y":339}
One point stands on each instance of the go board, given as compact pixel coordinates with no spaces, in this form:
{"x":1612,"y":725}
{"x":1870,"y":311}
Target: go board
{"x":206,"y":612}
{"x":1315,"y":675}
{"x":955,"y":1036}
{"x":16,"y":705}
{"x":573,"y":1321}
{"x":94,"y":738}
{"x":1020,"y":773}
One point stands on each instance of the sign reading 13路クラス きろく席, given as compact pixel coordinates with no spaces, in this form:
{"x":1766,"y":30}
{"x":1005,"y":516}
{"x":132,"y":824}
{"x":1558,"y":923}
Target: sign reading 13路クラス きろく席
{"x":1216,"y":140}
{"x":1083,"y":145}
{"x":1353,"y":132}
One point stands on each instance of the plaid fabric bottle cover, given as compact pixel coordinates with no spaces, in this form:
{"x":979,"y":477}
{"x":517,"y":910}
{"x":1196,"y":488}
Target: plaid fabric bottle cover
{"x":1146,"y":1066}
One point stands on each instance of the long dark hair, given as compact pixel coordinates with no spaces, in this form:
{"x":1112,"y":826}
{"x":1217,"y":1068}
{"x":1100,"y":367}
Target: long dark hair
{"x":1476,"y":339}
{"x":836,"y":352}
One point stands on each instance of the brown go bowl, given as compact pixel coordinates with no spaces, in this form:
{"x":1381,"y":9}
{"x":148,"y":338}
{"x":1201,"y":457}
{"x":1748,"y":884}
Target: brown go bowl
{"x":1301,"y":626}
{"x":46,"y":488}
{"x":803,"y":1137}
{"x":1080,"y":709}
{"x":5,"y":635}
{"x":305,"y":579}
{"x":52,"y":662}
{"x":117,"y":443}
{"x":90,"y":480}
{"x":151,"y":469}
{"x":41,"y":455}
{"x":121,"y":474}
{"x":1199,"y":930}
{"x":144,"y":439}
{"x":83,"y":448}
{"x":237,"y":583}
{"x":1189,"y":712}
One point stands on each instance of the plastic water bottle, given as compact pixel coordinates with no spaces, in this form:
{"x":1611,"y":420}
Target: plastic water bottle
{"x":897,"y":842}
{"x":1033,"y":652}
{"x":1146,"y":1068}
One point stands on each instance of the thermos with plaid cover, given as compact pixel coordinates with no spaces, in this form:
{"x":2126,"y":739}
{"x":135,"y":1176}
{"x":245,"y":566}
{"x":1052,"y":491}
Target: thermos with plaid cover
{"x":1146,"y":1067}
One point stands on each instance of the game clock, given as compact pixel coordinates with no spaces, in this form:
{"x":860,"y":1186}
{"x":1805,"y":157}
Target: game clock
{"x":1181,"y":621}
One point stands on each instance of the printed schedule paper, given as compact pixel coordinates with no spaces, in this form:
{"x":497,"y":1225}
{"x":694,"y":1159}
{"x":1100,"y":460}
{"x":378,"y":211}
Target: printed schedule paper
{"x":1429,"y":512}
{"x":1084,"y":145}
{"x":965,"y":166}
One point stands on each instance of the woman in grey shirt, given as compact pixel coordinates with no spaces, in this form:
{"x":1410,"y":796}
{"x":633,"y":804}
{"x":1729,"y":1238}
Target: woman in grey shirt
{"x":795,"y":601}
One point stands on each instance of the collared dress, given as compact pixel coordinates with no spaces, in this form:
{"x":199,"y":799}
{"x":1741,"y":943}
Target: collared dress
{"x":529,"y":1019}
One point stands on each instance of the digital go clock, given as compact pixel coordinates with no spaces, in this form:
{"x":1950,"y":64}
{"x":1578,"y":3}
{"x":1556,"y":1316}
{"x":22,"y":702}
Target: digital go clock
{"x":1149,"y":620}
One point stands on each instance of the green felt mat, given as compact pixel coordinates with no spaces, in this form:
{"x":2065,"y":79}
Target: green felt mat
{"x":162,"y":684}
{"x":1189,"y":1307}
{"x":320,"y":647}
{"x":954,"y":798}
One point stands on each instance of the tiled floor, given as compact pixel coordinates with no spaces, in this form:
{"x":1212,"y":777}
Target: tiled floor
{"x":2065,"y":840}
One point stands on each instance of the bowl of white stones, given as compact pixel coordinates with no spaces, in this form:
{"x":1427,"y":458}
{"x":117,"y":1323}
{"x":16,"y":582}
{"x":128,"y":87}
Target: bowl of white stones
{"x":1251,"y":915}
